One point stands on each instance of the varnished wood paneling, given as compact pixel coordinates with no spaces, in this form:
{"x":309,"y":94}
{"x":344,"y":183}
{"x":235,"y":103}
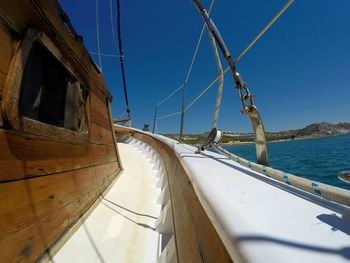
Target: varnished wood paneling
{"x":47,"y":184}
{"x":6,"y":53}
{"x":43,"y":15}
{"x":20,"y":15}
{"x":2,"y":81}
{"x":28,"y":156}
{"x":50,"y":11}
{"x":100,"y":135}
{"x":99,"y":111}
{"x":35,"y":212}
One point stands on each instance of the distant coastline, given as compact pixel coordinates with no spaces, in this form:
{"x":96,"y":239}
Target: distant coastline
{"x":282,"y":140}
{"x":315,"y":130}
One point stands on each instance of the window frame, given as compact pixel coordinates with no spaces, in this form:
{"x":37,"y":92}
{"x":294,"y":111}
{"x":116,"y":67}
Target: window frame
{"x":12,"y":90}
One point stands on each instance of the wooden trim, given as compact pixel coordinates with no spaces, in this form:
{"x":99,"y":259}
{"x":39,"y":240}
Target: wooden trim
{"x":49,"y":11}
{"x":22,"y":157}
{"x":114,"y":135}
{"x":196,"y":234}
{"x":12,"y":89}
{"x":121,"y":120}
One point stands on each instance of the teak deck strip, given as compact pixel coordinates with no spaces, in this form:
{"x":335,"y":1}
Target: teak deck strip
{"x":195,"y":236}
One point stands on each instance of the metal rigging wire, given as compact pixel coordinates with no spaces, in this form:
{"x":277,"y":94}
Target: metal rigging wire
{"x":188,"y":75}
{"x":184,"y":84}
{"x":169,"y":115}
{"x":98,"y":36}
{"x":104,"y":54}
{"x":271,"y":22}
{"x":197,"y":46}
{"x":112,"y":24}
{"x":171,"y":94}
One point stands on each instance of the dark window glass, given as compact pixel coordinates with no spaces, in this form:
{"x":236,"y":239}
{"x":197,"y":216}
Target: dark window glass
{"x":50,"y":93}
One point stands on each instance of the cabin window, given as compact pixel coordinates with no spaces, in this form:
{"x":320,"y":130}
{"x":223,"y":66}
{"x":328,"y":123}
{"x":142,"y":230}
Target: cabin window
{"x":45,"y":96}
{"x":50,"y":93}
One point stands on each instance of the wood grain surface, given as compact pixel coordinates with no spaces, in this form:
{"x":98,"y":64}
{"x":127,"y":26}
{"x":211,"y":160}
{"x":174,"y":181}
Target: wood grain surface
{"x":47,"y":183}
{"x":195,"y":236}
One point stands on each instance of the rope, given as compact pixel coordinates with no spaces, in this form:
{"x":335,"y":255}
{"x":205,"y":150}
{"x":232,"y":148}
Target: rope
{"x":112,"y":24}
{"x":221,"y":75}
{"x":98,"y":37}
{"x":122,"y":58}
{"x":273,"y":20}
{"x":104,"y":54}
{"x":168,"y":115}
{"x":198,"y":97}
{"x":122,"y":114}
{"x":157,"y":127}
{"x":171,"y":94}
{"x":329,"y":192}
{"x":183,"y":109}
{"x":197,"y":47}
{"x":221,"y":80}
{"x":207,"y":88}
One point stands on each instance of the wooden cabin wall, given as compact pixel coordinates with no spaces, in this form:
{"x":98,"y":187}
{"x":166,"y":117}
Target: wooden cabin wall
{"x":47,"y":184}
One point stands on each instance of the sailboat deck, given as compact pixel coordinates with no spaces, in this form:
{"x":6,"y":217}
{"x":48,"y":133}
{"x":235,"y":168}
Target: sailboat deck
{"x":122,"y":226}
{"x":265,"y":219}
{"x":269,"y":221}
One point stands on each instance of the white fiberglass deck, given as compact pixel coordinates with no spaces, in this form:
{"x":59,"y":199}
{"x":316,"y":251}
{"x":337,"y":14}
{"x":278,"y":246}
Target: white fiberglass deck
{"x":269,"y":221}
{"x":122,"y":226}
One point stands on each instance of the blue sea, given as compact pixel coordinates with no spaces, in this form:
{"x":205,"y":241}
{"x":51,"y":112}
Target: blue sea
{"x":319,"y":159}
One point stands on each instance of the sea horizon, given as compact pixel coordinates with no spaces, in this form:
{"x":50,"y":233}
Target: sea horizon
{"x":318,"y":158}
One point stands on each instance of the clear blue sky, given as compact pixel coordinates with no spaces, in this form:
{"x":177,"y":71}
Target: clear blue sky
{"x":298,"y":71}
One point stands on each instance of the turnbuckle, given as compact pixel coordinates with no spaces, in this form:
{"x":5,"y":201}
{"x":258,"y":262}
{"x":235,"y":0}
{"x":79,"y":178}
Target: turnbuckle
{"x":244,"y":95}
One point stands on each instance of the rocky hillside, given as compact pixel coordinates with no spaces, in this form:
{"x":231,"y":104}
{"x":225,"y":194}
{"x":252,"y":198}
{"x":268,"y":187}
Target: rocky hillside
{"x":312,"y":130}
{"x":318,"y":129}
